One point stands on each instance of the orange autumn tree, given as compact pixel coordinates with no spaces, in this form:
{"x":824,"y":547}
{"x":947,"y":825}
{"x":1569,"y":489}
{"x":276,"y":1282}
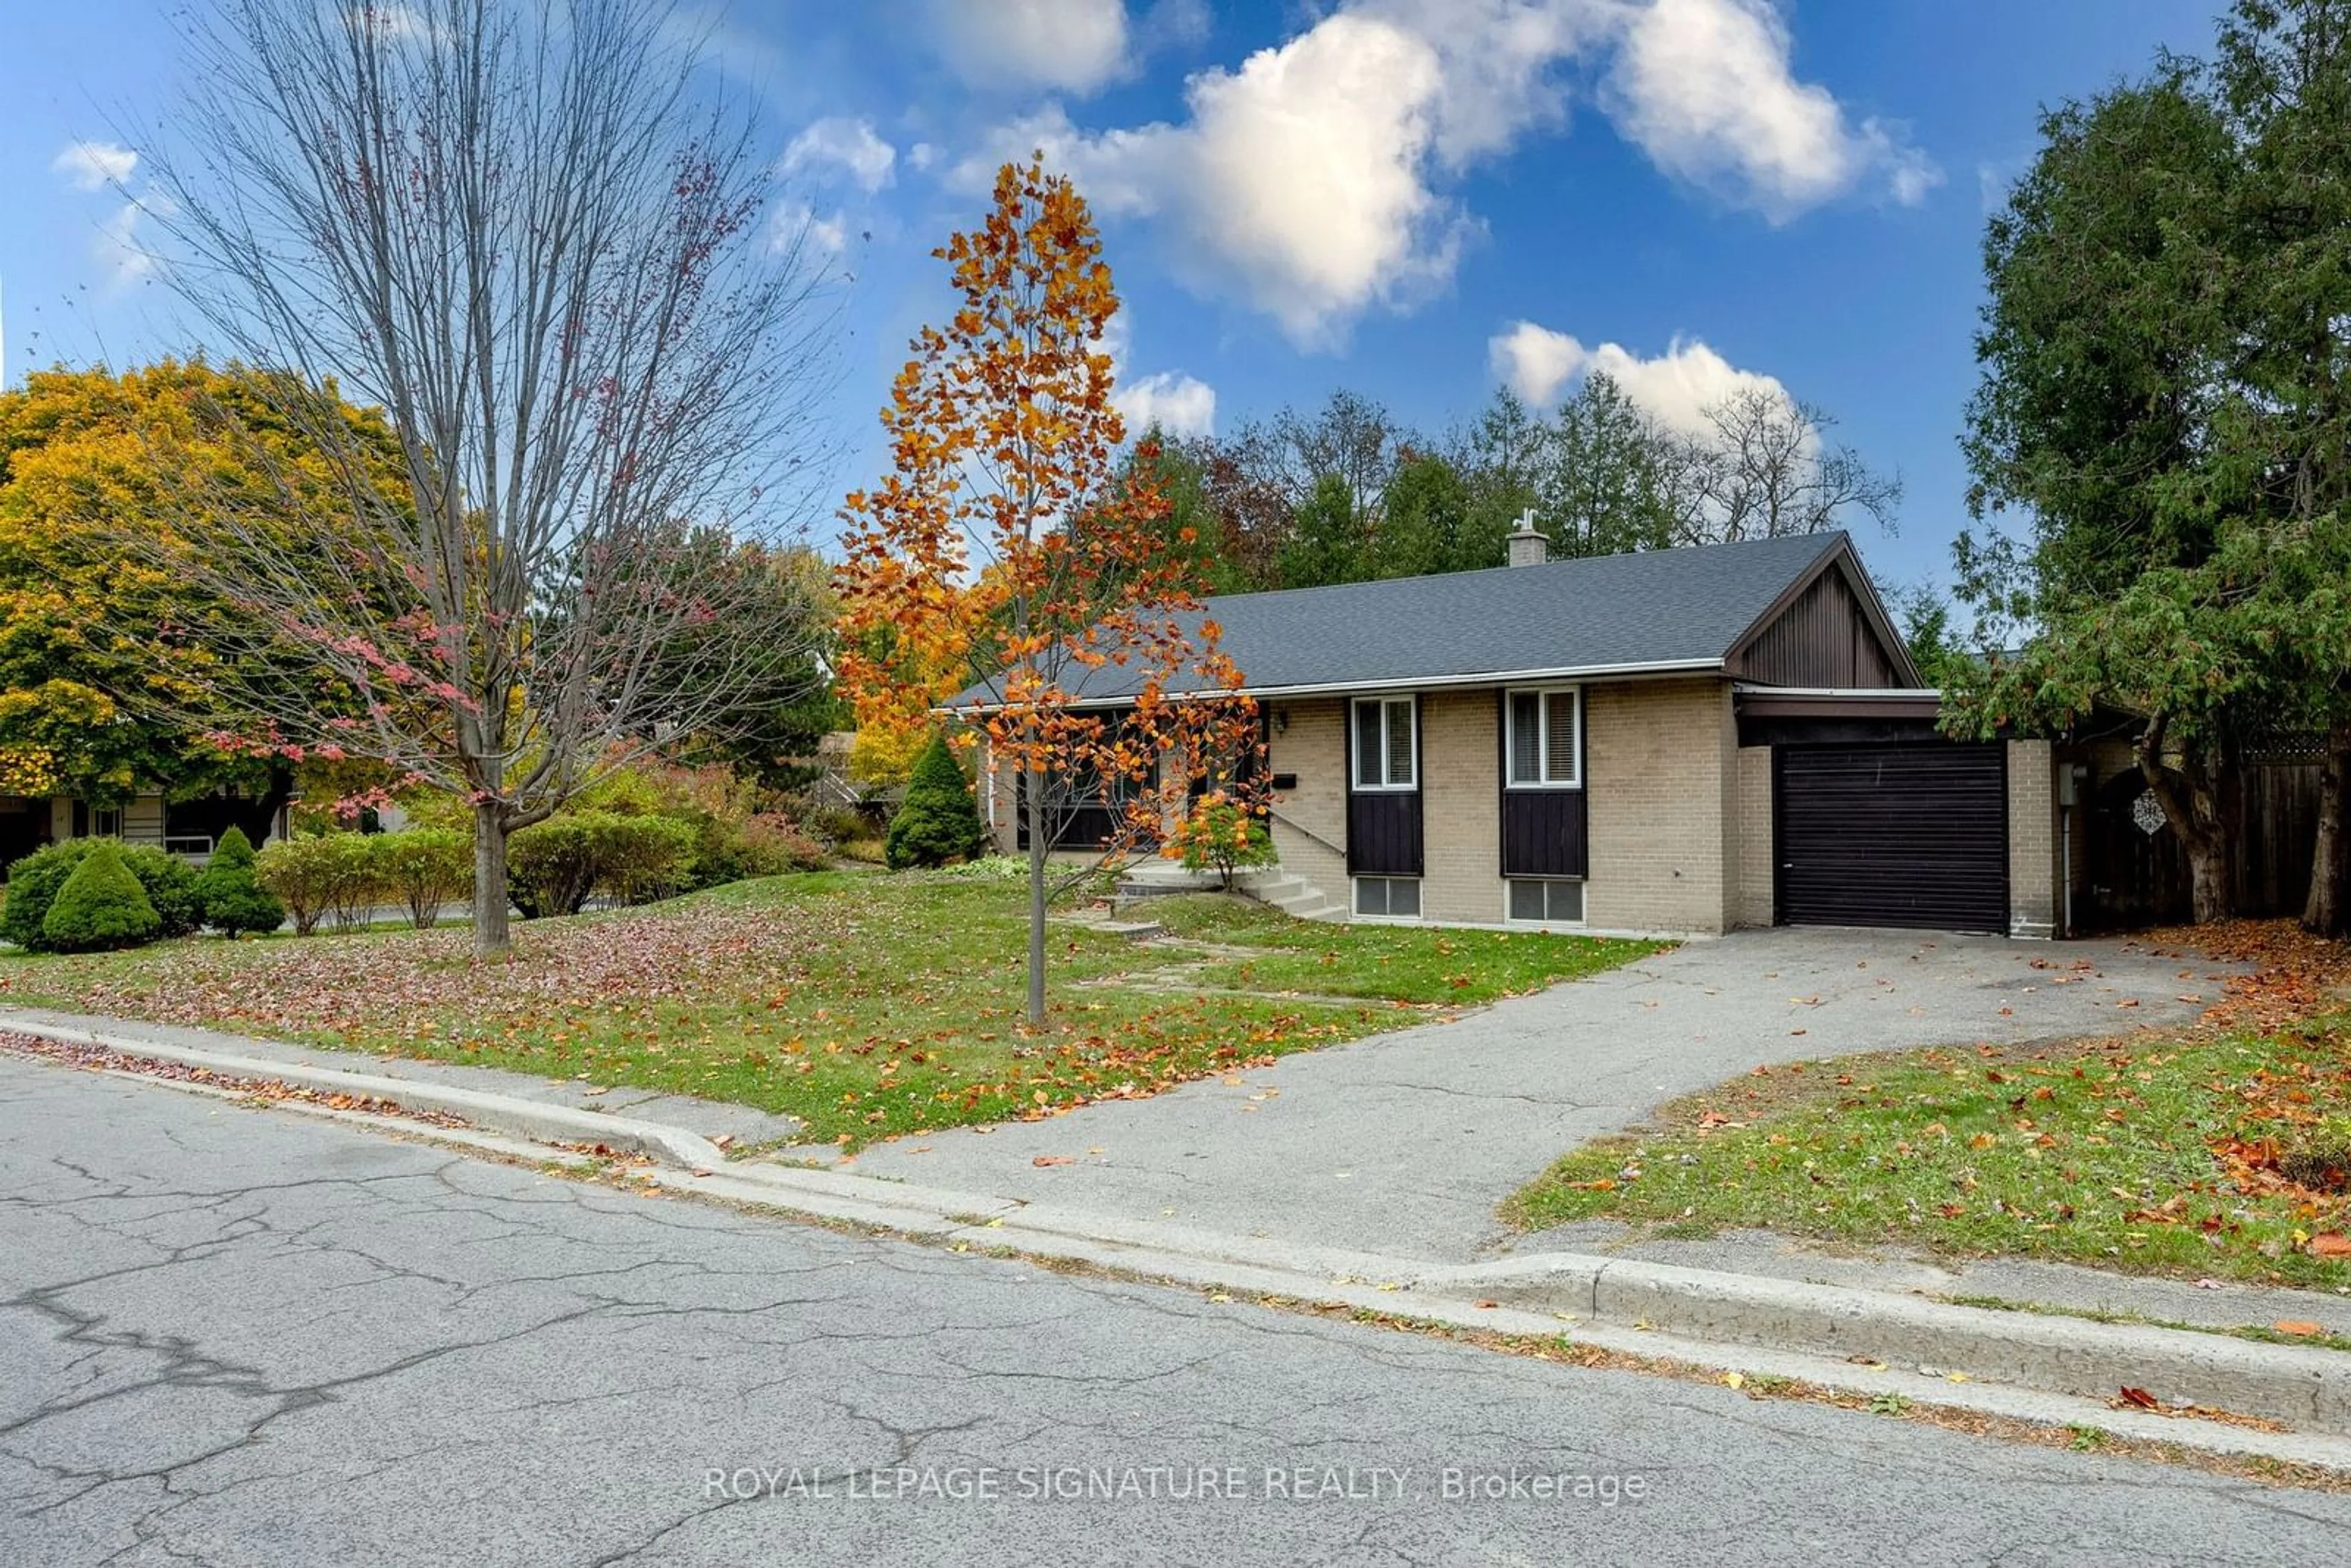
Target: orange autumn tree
{"x":1009,"y":538}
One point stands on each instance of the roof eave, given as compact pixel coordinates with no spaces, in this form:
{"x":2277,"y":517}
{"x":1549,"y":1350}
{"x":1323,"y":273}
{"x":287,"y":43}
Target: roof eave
{"x":1401,"y":683}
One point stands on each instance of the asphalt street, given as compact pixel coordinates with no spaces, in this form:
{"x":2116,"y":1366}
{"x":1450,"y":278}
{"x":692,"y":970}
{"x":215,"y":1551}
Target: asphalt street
{"x":230,"y":1336}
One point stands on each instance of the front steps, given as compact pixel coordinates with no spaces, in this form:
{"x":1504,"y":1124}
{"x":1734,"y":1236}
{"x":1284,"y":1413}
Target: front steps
{"x":1293,"y":895}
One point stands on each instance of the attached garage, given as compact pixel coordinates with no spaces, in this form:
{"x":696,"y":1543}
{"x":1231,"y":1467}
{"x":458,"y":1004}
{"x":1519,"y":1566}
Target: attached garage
{"x":1893,"y":835}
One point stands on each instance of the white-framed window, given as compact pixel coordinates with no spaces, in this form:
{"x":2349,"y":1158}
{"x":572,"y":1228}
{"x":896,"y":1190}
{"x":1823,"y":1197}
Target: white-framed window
{"x":106,"y":823}
{"x":1388,"y":897}
{"x":1546,"y":901}
{"x":1386,"y":750}
{"x":1543,"y":747}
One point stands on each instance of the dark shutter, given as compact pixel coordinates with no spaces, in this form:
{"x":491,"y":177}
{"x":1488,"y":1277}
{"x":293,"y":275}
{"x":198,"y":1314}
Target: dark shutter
{"x":1893,"y":835}
{"x":1543,"y":831}
{"x":1384,"y":828}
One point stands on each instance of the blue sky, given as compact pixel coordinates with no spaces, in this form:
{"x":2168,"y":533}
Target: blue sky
{"x":1413,"y":199}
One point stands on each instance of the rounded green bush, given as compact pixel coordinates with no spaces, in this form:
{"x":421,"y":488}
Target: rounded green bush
{"x":100,"y":907}
{"x":234,"y":901}
{"x":938,"y":822}
{"x":34,"y":881}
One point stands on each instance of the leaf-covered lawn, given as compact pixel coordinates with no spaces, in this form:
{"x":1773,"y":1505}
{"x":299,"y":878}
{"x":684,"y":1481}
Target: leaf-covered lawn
{"x":865,"y":1005}
{"x":2185,"y":1158}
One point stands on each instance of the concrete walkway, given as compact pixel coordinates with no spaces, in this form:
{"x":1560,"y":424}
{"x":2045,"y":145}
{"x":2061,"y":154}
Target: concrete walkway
{"x":710,"y":1118}
{"x":1405,"y":1142}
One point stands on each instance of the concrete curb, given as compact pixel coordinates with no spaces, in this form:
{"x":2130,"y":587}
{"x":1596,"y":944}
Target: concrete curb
{"x":2305,"y":1386}
{"x":497,"y":1113}
{"x":1628,"y":1302}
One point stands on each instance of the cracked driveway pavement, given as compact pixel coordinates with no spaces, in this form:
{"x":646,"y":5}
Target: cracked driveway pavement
{"x":1403,"y":1143}
{"x":239,"y":1337}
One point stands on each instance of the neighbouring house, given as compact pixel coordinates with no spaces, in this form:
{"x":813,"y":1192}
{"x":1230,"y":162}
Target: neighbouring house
{"x":1676,"y":741}
{"x":185,"y":828}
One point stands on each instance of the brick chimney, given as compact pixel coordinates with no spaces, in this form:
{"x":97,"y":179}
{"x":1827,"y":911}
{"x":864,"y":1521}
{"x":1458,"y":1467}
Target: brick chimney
{"x":1527,"y":546}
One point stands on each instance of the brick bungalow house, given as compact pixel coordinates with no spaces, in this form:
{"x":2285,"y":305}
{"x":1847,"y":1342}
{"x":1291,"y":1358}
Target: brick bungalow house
{"x":1676,"y":741}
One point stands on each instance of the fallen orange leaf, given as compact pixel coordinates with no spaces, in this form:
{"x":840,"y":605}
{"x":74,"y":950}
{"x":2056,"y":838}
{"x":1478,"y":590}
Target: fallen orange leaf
{"x":2297,"y":1327}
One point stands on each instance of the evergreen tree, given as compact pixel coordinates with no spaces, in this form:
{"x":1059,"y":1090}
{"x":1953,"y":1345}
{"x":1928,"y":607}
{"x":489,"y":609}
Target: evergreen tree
{"x":937,"y":821}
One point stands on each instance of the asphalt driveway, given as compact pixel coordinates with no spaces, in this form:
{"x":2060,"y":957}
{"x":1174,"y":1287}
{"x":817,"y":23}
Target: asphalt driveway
{"x":1405,"y":1142}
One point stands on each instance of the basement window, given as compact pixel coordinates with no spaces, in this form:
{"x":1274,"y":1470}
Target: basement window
{"x":1388,"y":897}
{"x":1546,"y":901}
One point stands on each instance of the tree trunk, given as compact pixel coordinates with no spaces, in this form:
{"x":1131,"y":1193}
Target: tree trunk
{"x":261,"y":817}
{"x":1035,"y":807}
{"x":2196,"y":804}
{"x":2330,"y":862}
{"x":492,"y":938}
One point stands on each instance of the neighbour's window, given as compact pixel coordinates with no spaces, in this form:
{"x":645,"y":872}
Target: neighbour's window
{"x":1545,"y":741}
{"x":1384,"y":754}
{"x":1388,"y":897}
{"x":1547,"y":902}
{"x":106,"y":823}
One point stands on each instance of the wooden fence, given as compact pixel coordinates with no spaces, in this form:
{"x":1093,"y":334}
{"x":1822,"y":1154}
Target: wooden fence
{"x":2137,"y":878}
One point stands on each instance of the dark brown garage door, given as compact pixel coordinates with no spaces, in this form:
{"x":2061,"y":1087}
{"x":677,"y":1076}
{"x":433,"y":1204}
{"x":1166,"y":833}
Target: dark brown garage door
{"x":1893,"y":835}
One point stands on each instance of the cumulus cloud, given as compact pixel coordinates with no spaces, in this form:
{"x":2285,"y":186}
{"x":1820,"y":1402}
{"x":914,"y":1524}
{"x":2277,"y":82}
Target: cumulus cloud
{"x":1296,"y":182}
{"x":838,"y":147}
{"x":1311,"y":181}
{"x":1066,"y":45}
{"x":1705,"y":87}
{"x":1179,"y":404}
{"x":94,"y":165}
{"x":1675,"y":388}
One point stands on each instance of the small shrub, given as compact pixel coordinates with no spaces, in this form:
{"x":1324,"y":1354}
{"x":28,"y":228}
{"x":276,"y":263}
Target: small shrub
{"x":332,"y":874}
{"x":842,"y":824}
{"x":101,"y":906}
{"x":34,"y":881}
{"x":423,"y":868}
{"x":1222,"y":837}
{"x":234,"y":901}
{"x":773,"y":844}
{"x":641,"y":859}
{"x":938,"y":822}
{"x":553,"y":867}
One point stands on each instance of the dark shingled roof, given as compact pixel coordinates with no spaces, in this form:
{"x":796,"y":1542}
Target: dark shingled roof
{"x":1594,"y":615}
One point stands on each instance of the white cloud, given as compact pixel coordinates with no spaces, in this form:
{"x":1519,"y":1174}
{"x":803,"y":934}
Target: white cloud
{"x":797,"y":224}
{"x":1178,"y":405}
{"x":1535,"y":361}
{"x":94,"y":165}
{"x":1066,"y":45}
{"x":1675,"y":388}
{"x":1706,"y":89}
{"x":117,"y":244}
{"x":846,"y":146}
{"x":1296,"y":182}
{"x":1310,"y":181}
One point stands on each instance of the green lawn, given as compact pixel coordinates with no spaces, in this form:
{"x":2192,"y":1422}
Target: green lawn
{"x":866,"y":1005}
{"x":1381,"y":962}
{"x":2186,"y":1159}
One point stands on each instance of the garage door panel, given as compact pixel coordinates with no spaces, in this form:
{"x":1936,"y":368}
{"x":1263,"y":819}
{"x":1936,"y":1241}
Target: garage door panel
{"x":1893,"y":835}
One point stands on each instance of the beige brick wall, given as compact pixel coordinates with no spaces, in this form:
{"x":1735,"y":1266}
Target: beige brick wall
{"x":1309,"y":823}
{"x":2032,"y":839}
{"x":1662,"y":758}
{"x":1461,"y":807}
{"x":1754,"y":905}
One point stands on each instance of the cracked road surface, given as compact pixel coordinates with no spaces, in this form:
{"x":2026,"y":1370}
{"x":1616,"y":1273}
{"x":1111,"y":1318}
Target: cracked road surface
{"x":1403,"y":1143}
{"x":230,"y":1336}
